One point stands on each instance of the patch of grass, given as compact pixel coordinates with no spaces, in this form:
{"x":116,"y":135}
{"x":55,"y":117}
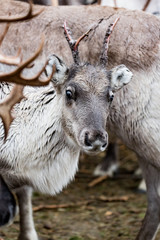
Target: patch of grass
{"x":103,"y":234}
{"x":76,"y":238}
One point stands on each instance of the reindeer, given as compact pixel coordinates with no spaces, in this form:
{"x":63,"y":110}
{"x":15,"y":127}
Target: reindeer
{"x":110,"y":163}
{"x":134,"y":112}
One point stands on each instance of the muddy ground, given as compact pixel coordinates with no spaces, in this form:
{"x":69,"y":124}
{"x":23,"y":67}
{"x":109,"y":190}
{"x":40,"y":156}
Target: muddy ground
{"x":110,"y":210}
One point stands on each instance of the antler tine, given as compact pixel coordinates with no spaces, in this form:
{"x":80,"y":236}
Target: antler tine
{"x":16,"y":77}
{"x":104,"y":57}
{"x":16,"y":96}
{"x":6,"y":106}
{"x":24,"y":64}
{"x":17,"y":92}
{"x":74,"y":43}
{"x":4,"y":33}
{"x":35,"y":81}
{"x":81,"y":37}
{"x":71,"y":42}
{"x":11,"y":60}
{"x":146,"y":5}
{"x":28,"y":15}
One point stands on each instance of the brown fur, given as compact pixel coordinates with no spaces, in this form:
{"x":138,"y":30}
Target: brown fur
{"x":134,"y":42}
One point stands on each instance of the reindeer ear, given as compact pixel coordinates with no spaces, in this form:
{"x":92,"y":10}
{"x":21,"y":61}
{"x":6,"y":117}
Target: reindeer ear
{"x":119,"y":76}
{"x":61,"y":70}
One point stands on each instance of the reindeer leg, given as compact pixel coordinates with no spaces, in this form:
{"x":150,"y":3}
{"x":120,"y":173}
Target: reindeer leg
{"x":152,"y":218}
{"x":110,"y":162}
{"x":27,"y":228}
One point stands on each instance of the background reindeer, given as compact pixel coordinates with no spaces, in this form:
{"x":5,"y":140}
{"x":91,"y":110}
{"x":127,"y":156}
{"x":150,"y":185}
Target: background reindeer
{"x":110,"y":163}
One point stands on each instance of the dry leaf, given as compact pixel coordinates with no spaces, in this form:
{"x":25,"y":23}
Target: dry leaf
{"x":108,"y":213}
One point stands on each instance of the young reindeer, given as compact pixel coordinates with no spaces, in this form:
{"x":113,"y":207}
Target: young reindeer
{"x":52,"y":127}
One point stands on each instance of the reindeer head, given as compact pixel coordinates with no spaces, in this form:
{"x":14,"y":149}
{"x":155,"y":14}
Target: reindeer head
{"x":88,"y":91}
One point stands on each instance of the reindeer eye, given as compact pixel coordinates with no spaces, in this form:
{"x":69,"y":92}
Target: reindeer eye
{"x":69,"y":94}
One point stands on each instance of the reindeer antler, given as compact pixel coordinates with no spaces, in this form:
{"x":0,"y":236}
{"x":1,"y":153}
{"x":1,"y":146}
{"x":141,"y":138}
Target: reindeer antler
{"x":104,"y":56}
{"x":17,"y":92}
{"x":27,"y":16}
{"x":74,"y":43}
{"x":16,"y":76}
{"x":12,"y":60}
{"x":6,"y":106}
{"x":15,"y":60}
{"x":146,"y":5}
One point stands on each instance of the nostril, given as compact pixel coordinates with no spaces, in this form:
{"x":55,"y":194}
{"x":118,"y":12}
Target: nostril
{"x":104,"y":145}
{"x":86,"y":140}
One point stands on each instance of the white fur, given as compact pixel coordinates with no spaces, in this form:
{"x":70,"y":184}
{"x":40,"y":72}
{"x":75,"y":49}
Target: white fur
{"x":134,"y":4}
{"x":61,"y":70}
{"x":142,"y":187}
{"x":109,"y":172}
{"x":31,"y":152}
{"x":139,"y":126}
{"x":120,"y":76}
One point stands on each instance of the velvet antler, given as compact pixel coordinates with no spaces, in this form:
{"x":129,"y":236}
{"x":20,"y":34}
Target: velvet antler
{"x":74,"y":43}
{"x":104,"y":56}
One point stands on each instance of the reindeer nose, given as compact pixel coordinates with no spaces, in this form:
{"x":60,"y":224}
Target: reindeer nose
{"x":95,"y":141}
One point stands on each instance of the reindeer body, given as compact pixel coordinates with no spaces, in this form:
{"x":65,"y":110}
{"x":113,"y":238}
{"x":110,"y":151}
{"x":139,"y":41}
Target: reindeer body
{"x":135,"y":111}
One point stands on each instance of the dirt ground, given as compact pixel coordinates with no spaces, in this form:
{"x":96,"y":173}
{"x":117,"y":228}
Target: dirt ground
{"x":110,"y":210}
